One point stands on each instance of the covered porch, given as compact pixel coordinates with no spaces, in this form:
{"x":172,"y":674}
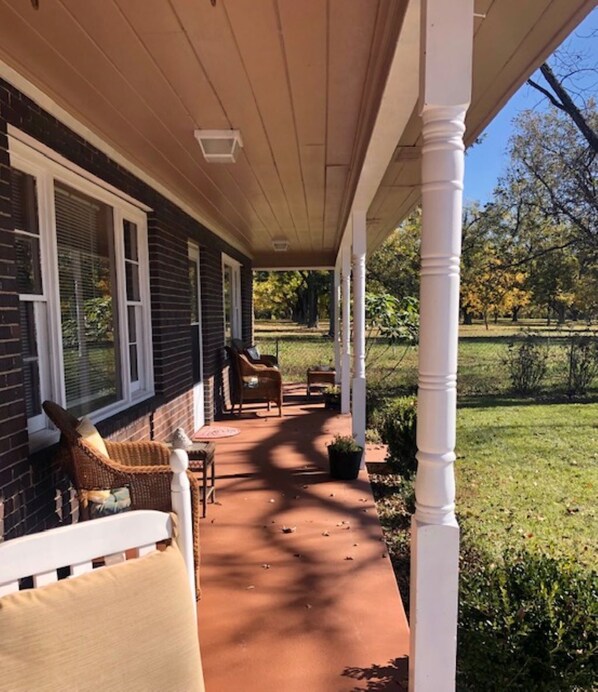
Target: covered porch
{"x":313,"y":609}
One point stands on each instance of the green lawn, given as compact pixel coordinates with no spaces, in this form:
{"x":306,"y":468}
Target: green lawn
{"x":528,"y":474}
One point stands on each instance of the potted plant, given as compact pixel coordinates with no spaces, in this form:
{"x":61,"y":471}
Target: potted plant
{"x":344,"y":456}
{"x":332,"y":397}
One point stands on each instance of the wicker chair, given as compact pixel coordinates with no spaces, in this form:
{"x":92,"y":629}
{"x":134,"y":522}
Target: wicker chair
{"x":254,"y":382}
{"x":142,"y":467}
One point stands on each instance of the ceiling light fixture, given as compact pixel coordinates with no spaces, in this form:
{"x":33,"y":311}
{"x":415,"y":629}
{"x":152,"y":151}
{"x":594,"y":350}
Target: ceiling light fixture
{"x":219,"y":146}
{"x":280,"y":244}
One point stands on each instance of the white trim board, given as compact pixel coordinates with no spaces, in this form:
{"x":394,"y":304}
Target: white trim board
{"x":50,"y":106}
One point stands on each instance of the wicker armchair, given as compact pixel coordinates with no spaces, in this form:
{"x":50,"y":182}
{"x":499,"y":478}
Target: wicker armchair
{"x":254,"y":382}
{"x":142,"y":467}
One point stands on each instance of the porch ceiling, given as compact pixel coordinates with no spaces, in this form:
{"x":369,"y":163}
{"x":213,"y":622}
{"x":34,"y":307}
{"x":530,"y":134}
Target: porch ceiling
{"x":301,"y":80}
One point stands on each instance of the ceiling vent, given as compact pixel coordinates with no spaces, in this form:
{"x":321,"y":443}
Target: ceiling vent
{"x":219,"y":146}
{"x":280,"y":245}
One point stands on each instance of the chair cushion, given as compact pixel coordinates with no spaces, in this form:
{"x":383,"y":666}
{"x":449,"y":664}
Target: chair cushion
{"x":131,"y":626}
{"x":90,"y":434}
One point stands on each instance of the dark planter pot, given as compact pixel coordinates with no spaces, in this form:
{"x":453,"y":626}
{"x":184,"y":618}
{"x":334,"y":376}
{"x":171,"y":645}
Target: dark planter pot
{"x":344,"y":465}
{"x":332,"y":402}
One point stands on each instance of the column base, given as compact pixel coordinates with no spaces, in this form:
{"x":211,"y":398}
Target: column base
{"x":346,"y":384}
{"x":434,"y":601}
{"x":359,"y":388}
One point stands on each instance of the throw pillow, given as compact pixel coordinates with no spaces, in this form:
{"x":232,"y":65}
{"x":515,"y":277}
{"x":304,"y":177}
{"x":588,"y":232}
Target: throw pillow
{"x":102,"y":503}
{"x":90,"y":434}
{"x":253,"y":353}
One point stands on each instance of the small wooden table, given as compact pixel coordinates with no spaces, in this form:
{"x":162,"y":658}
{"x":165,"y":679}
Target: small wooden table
{"x":319,"y":377}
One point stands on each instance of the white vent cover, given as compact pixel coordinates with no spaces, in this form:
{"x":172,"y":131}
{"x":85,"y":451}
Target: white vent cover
{"x":280,"y":245}
{"x":219,"y":146}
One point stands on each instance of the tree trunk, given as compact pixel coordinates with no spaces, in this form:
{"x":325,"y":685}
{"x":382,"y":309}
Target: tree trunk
{"x":515,"y":315}
{"x":331,"y":308}
{"x":312,"y":301}
{"x":561,"y":313}
{"x":467,"y":316}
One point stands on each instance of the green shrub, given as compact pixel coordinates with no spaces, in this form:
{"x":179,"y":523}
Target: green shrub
{"x":344,"y":444}
{"x":397,"y":428}
{"x":527,"y":364}
{"x":528,"y":623}
{"x":582,"y":364}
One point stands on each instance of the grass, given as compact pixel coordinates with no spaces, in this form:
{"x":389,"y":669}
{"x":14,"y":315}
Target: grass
{"x":527,"y":475}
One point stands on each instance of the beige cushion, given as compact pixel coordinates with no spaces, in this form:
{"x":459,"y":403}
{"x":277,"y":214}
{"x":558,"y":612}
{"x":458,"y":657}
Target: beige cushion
{"x":127,"y":627}
{"x":90,"y":434}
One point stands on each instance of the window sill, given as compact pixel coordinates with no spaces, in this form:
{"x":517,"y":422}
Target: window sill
{"x":46,"y":438}
{"x":41,"y":439}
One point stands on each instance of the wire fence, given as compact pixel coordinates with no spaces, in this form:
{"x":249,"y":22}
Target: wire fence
{"x":298,"y":353}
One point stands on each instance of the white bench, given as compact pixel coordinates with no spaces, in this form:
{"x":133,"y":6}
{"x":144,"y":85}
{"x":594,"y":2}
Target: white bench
{"x":113,"y":541}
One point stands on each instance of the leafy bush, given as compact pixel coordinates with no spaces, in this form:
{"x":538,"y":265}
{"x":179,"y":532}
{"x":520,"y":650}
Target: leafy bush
{"x":344,"y":444}
{"x":527,"y":364}
{"x":397,"y":428}
{"x":582,"y":364}
{"x":528,"y":623}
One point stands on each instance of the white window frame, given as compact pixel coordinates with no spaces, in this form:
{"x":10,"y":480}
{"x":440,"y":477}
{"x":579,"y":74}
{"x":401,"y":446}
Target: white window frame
{"x":236,"y":321}
{"x":47,"y":170}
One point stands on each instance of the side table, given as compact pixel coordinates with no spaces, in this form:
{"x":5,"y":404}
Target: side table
{"x":319,"y":377}
{"x":202,"y":456}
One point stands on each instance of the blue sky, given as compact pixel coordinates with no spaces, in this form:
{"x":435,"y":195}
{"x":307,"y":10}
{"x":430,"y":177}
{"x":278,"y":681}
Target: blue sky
{"x":488,"y":160}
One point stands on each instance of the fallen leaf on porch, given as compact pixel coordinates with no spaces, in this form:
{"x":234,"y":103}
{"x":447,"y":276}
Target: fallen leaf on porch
{"x":325,"y":533}
{"x":289,"y":529}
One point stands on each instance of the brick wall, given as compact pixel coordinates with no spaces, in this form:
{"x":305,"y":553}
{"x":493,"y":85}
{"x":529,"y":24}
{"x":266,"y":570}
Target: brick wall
{"x":33,"y":493}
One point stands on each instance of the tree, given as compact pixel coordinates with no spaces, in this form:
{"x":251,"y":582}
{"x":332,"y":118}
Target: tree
{"x":394,"y":267}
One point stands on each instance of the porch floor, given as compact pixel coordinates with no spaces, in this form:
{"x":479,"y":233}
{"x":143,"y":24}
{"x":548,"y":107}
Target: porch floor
{"x":313,"y":610}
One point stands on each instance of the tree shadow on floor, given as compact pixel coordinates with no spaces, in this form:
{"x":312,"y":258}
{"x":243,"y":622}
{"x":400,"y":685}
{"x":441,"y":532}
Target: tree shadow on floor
{"x":381,"y":678}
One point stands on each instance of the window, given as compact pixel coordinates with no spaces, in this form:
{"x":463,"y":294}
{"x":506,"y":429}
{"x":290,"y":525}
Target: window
{"x":82,"y":276}
{"x":231,"y":288}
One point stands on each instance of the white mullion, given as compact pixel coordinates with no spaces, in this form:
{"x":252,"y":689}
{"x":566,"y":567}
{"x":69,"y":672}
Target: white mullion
{"x":50,"y":280}
{"x":121,"y":298}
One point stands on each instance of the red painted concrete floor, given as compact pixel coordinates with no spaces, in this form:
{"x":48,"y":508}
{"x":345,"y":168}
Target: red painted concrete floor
{"x":313,"y":610}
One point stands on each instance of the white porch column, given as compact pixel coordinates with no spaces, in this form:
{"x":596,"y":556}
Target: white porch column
{"x":336,"y":292}
{"x":446,"y":89}
{"x":346,"y":330}
{"x":358,"y":252}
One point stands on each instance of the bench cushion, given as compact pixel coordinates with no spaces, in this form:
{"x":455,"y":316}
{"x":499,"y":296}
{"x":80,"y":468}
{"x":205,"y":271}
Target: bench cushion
{"x":131,"y":626}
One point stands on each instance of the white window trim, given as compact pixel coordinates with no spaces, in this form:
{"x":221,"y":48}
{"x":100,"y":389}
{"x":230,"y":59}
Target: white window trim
{"x":236,"y":317}
{"x":47,"y":170}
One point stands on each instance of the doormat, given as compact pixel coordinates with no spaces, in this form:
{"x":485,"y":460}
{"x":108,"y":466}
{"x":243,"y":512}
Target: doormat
{"x":215,"y":432}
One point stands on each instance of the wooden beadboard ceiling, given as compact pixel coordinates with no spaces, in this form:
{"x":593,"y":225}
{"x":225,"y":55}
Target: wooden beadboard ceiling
{"x":301,"y":79}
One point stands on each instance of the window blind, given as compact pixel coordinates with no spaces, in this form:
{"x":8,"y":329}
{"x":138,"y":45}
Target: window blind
{"x":88,"y":305}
